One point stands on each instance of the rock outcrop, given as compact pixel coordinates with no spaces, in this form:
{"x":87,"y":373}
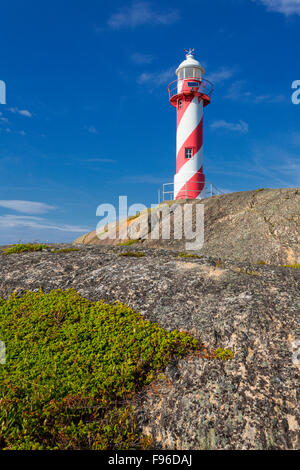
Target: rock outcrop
{"x":249,"y":402}
{"x":261,"y":225}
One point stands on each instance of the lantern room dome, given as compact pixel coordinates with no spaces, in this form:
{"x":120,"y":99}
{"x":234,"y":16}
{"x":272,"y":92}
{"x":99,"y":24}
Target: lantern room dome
{"x":190,"y":67}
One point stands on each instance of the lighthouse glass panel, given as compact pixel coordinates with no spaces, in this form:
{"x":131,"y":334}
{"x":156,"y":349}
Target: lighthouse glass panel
{"x":188,"y":72}
{"x":188,"y":153}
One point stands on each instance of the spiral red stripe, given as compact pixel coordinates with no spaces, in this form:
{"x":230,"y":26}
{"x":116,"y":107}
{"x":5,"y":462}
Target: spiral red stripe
{"x":189,"y":180}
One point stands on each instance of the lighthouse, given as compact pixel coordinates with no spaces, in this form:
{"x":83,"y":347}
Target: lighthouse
{"x":189,"y":94}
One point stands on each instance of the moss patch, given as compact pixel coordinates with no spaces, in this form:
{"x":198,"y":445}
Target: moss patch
{"x":295,"y":266}
{"x":72,"y":368}
{"x":65,"y":250}
{"x":128,"y":243}
{"x":23,"y":247}
{"x":188,"y":255}
{"x":135,"y":254}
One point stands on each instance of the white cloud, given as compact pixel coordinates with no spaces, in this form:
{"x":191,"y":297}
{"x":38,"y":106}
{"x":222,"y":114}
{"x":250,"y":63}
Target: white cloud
{"x":144,"y":179}
{"x":98,"y":160}
{"x":22,"y":112}
{"x":138,"y":58}
{"x":26,"y":207}
{"x":13,"y":221}
{"x":287,"y":7}
{"x":91,"y":129}
{"x":157,"y":78}
{"x":140,"y":13}
{"x":222,"y":74}
{"x":241,"y":126}
{"x":238,"y":91}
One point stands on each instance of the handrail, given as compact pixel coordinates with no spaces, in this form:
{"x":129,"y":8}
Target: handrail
{"x":205,"y":87}
{"x":208,"y":191}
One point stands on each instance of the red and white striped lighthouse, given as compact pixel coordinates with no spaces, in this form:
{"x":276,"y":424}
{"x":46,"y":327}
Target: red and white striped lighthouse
{"x":189,"y":94}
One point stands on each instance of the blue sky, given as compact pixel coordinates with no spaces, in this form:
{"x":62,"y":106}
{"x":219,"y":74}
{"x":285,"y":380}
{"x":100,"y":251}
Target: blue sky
{"x":87,"y":116}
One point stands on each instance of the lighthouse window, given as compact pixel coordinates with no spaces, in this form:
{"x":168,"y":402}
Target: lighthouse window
{"x":180,"y":104}
{"x":188,"y":153}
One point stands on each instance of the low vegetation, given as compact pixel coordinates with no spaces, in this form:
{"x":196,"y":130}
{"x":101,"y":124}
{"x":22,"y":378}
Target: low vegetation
{"x":23,"y":247}
{"x":128,"y":243}
{"x":73,"y":367}
{"x":135,"y":254}
{"x":223,"y":354}
{"x":295,"y":266}
{"x":188,"y":255}
{"x":65,"y":250}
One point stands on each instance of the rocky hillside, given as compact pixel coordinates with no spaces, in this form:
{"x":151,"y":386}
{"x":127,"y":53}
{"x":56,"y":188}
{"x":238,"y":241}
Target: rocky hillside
{"x":261,"y":225}
{"x":249,"y":402}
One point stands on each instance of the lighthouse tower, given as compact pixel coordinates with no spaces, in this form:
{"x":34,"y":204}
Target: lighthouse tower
{"x":189,"y":94}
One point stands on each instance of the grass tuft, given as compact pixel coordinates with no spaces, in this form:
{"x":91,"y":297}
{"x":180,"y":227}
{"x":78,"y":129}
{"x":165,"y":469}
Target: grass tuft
{"x":295,"y":266}
{"x":65,"y":250}
{"x":135,"y":254}
{"x":23,"y":247}
{"x":128,"y":243}
{"x":188,"y":255}
{"x":72,"y":368}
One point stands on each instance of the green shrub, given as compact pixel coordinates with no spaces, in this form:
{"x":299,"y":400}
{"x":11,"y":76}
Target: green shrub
{"x":22,"y":247}
{"x":65,"y":250}
{"x":136,"y":254}
{"x":188,"y":255}
{"x":223,"y":354}
{"x":72,"y":369}
{"x":128,"y":243}
{"x":295,"y":266}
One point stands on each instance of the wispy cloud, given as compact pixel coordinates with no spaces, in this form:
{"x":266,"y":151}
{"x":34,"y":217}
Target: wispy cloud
{"x":138,"y":58}
{"x":279,"y":165}
{"x":240,"y":126}
{"x":2,"y":118}
{"x":239,"y":91}
{"x":22,"y":112}
{"x":144,"y":179}
{"x":222,"y":74}
{"x":26,"y":207}
{"x":98,"y":160}
{"x":13,"y":221}
{"x":91,"y":129}
{"x":140,"y":13}
{"x":156,"y":78}
{"x":287,"y":7}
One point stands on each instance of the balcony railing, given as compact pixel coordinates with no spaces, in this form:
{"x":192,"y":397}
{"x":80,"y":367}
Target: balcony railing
{"x":166,"y":192}
{"x":205,"y":87}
